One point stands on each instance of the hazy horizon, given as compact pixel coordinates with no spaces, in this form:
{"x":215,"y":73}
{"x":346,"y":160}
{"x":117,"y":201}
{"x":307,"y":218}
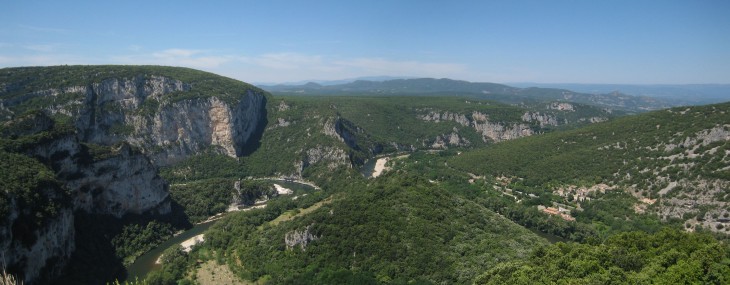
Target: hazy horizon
{"x":617,"y":42}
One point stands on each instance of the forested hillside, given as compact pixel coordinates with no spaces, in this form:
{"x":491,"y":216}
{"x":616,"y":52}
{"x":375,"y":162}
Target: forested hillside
{"x":347,"y":131}
{"x":667,"y":257}
{"x":674,"y":162}
{"x":103,"y":163}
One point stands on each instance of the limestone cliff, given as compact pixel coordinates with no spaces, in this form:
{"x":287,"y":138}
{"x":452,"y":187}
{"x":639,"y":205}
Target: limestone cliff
{"x":136,"y":110}
{"x":490,"y":131}
{"x":125,"y":183}
{"x":542,"y":119}
{"x":191,"y":126}
{"x":104,"y":133}
{"x":118,"y":181}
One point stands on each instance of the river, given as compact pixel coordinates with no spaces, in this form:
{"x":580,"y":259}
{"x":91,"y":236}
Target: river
{"x":368,"y":168}
{"x":146,"y":263}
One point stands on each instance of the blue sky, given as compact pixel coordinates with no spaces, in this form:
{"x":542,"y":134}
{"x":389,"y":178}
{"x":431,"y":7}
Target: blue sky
{"x":634,"y":42}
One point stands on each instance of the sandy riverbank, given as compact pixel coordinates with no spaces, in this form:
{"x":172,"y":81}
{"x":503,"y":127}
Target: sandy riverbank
{"x":380,"y":166}
{"x":187,"y":245}
{"x":282,"y":191}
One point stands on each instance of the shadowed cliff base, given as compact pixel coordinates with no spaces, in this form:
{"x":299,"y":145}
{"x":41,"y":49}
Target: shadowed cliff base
{"x":95,"y":260}
{"x":254,"y":142}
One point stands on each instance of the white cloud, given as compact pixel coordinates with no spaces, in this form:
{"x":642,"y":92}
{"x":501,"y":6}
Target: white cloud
{"x":267,"y":67}
{"x":282,"y":67}
{"x":176,"y":57}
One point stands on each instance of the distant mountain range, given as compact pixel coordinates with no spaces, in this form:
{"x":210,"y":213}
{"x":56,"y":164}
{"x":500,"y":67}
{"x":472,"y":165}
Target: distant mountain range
{"x":688,"y":93}
{"x":614,"y":96}
{"x":334,"y":82}
{"x":491,"y":91}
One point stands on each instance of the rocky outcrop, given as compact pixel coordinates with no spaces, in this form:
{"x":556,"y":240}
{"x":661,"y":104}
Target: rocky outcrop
{"x":136,"y":110}
{"x":561,"y":106}
{"x":191,"y":126}
{"x":542,"y":119}
{"x":300,"y":238}
{"x":282,"y":106}
{"x":593,"y":119}
{"x":117,"y":182}
{"x":704,"y":138}
{"x":281,"y":122}
{"x":452,"y":139}
{"x":333,"y":156}
{"x":343,"y":131}
{"x":124,"y":183}
{"x":490,"y":131}
{"x":498,"y":132}
{"x":436,"y":117}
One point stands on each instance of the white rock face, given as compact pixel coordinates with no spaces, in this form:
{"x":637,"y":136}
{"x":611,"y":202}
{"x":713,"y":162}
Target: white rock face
{"x":125,"y":183}
{"x":334,"y":156}
{"x":453,"y":139}
{"x":116,"y":110}
{"x":543,"y":119}
{"x":300,"y":238}
{"x":190,"y":126}
{"x":490,"y":131}
{"x":562,"y":106}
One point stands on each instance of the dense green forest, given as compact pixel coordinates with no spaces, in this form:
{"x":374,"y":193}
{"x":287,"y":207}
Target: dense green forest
{"x":474,"y":190}
{"x":34,"y":188}
{"x":368,"y":126}
{"x":410,"y":230}
{"x":204,"y":198}
{"x":426,"y":223}
{"x":666,"y":257}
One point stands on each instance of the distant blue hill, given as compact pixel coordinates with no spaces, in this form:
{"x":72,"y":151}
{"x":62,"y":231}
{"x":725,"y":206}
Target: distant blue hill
{"x":683,"y":94}
{"x":335,"y":82}
{"x":482,"y":90}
